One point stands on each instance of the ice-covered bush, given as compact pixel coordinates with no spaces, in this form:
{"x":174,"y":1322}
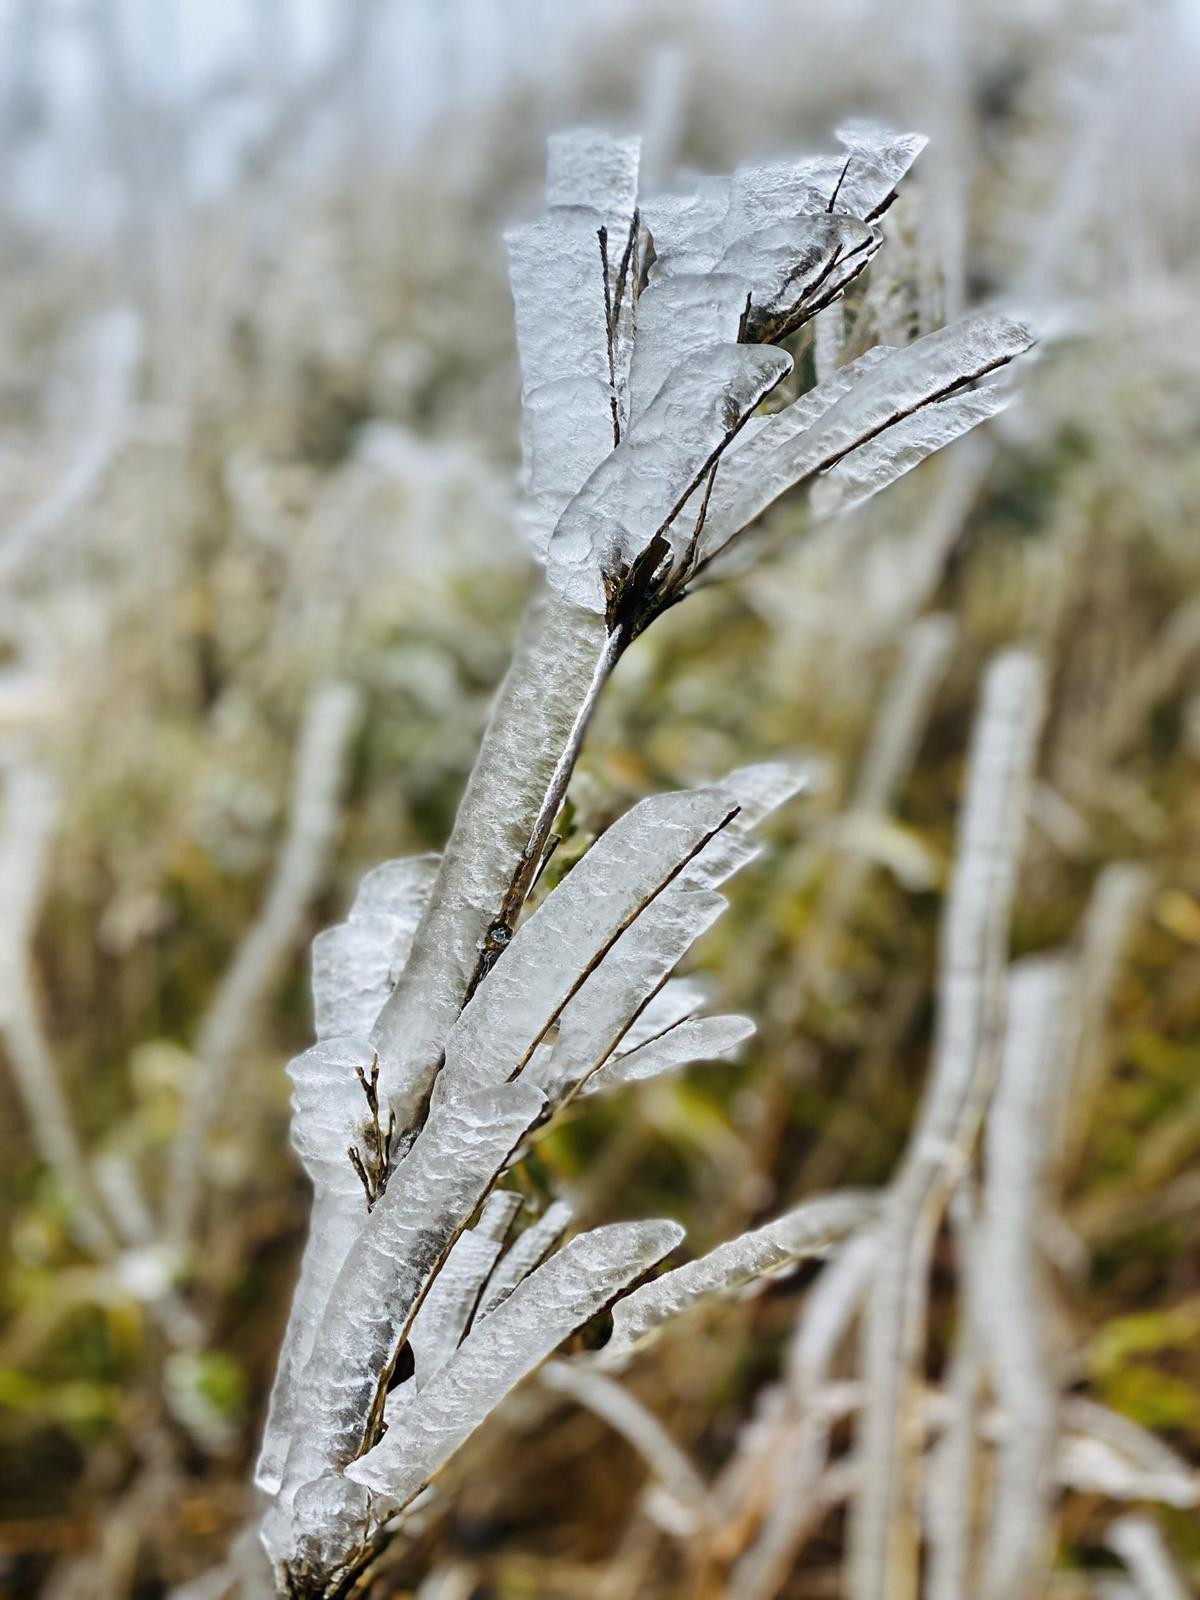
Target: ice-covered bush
{"x":663,"y":415}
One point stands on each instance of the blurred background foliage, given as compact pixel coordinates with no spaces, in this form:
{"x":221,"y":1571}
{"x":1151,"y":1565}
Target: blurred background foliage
{"x":258,"y":425}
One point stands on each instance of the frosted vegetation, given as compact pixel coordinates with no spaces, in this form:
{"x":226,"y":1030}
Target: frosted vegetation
{"x":453,"y":1021}
{"x":922,"y":1089}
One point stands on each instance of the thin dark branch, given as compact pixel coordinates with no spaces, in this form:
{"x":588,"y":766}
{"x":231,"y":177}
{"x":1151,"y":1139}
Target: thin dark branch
{"x":837,"y":188}
{"x":602,"y":235}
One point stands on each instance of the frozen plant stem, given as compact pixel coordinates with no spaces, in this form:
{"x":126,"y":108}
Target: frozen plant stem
{"x":953,"y":1467}
{"x":883,"y":1534}
{"x":1019,"y":1317}
{"x":515,"y":789}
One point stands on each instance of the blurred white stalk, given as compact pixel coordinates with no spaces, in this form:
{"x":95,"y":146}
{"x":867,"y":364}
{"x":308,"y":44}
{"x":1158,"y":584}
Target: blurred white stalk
{"x":792,"y":1446}
{"x":31,"y":808}
{"x":114,"y":346}
{"x":1018,"y":1321}
{"x":1141,"y":1547}
{"x":953,"y":1474}
{"x":331,"y":720}
{"x":883,"y":1532}
{"x":626,"y":1415}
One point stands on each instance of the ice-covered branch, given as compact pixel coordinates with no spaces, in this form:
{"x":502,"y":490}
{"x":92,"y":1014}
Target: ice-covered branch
{"x":451,"y":1025}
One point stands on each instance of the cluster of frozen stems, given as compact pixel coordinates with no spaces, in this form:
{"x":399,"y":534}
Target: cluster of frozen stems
{"x":660,"y":423}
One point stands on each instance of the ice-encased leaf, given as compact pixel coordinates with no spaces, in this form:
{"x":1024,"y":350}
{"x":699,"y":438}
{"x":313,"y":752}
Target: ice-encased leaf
{"x":562,"y":330}
{"x":388,"y":1268}
{"x":859,"y":184}
{"x":334,"y":1224}
{"x":763,"y":444}
{"x":808,"y":1229}
{"x":585,"y":167}
{"x":447,"y":1309}
{"x":328,"y":1109}
{"x":356,"y":964}
{"x":687,"y":229}
{"x":876,"y":160}
{"x":595,"y":1019}
{"x":868,"y":396}
{"x":675,"y":1002}
{"x":567,"y":428}
{"x":699,"y":1039}
{"x":562,"y":304}
{"x":571,"y":931}
{"x":906,"y":379}
{"x":795,"y":268}
{"x":774,"y":193}
{"x":523,"y":1331}
{"x":875,"y":466}
{"x":637,"y":489}
{"x":679,"y":317}
{"x":527,"y":1251}
{"x":762,"y":788}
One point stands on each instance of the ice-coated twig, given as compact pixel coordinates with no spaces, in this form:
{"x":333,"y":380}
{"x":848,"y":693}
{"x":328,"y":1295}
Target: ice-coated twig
{"x":809,"y":1229}
{"x":450,"y":1024}
{"x":883,"y":1535}
{"x":618,"y":545}
{"x":1017,"y":1319}
{"x":30,"y":814}
{"x":1140,"y":1544}
{"x":562,"y":659}
{"x":330,"y":720}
